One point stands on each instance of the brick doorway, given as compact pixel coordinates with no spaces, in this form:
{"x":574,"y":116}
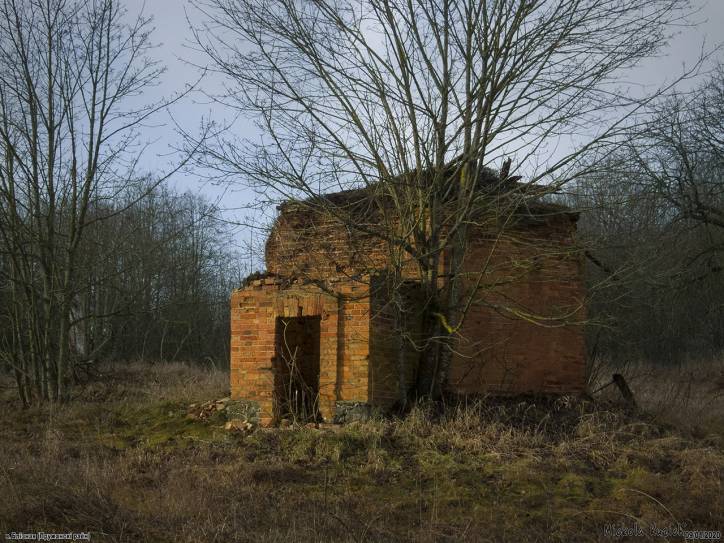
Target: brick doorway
{"x":297,"y":360}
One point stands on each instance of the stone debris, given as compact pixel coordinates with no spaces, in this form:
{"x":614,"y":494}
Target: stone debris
{"x":227,"y":409}
{"x":239,"y":418}
{"x":204,"y":411}
{"x":239,"y":425}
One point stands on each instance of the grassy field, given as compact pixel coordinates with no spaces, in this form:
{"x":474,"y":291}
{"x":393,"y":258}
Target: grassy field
{"x":125,"y":463}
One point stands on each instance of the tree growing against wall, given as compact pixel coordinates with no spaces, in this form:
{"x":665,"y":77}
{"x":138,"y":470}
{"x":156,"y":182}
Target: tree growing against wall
{"x":424,"y":104}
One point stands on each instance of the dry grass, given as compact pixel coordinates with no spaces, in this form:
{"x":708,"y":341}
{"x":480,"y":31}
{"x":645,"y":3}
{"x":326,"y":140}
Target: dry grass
{"x":124,"y":463}
{"x":689,"y":396}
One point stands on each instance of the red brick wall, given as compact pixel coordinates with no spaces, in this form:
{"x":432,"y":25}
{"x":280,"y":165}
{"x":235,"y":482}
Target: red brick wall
{"x":519,"y":335}
{"x":386,"y":345}
{"x":523,"y":334}
{"x":344,"y":340}
{"x":254,"y":313}
{"x":353,"y":342}
{"x":320,"y":248}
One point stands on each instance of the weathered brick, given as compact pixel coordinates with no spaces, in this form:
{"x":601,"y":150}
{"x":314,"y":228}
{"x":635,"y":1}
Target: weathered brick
{"x":533,"y":270}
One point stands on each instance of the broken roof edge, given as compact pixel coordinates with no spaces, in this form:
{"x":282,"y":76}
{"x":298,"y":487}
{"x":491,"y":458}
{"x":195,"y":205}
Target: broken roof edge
{"x":356,"y":199}
{"x":349,"y":199}
{"x":267,"y":279}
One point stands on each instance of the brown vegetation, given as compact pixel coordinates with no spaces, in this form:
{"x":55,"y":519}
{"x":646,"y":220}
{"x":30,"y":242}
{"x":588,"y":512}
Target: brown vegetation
{"x":126,"y":463}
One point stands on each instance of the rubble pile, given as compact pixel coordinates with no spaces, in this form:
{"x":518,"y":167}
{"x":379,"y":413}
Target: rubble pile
{"x":208,"y":410}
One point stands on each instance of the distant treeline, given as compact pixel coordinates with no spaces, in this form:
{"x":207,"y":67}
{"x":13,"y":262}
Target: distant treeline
{"x":155,"y":282}
{"x":656,"y":288}
{"x":152,"y":280}
{"x":652,"y":226}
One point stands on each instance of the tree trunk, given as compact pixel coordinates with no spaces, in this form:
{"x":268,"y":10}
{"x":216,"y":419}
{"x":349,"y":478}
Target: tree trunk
{"x":427,"y":384}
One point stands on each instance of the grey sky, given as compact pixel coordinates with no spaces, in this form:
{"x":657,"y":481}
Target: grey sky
{"x":173,"y":35}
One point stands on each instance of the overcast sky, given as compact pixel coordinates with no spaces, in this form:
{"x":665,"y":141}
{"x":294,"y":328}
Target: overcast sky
{"x":173,"y":36}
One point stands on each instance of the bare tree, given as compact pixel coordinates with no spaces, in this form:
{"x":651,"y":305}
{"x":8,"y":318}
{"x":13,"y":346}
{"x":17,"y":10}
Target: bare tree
{"x":656,"y":232}
{"x":415,"y":102}
{"x":70,"y":74}
{"x":153,"y":281}
{"x":678,"y":156}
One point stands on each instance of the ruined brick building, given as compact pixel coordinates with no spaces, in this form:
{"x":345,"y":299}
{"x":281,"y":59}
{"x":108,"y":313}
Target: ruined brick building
{"x":321,"y":305}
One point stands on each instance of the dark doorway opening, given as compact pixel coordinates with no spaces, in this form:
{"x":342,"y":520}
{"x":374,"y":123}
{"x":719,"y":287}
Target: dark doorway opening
{"x":296,"y":376}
